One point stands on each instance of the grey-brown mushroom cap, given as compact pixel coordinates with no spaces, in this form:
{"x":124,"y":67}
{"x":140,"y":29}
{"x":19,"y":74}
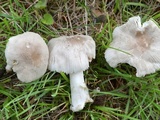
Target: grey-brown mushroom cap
{"x":71,"y":54}
{"x":27,"y":55}
{"x":137,"y":45}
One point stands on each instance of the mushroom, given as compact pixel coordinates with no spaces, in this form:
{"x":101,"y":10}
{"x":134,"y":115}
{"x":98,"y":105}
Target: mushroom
{"x":137,"y":45}
{"x":27,"y":55}
{"x":72,"y":54}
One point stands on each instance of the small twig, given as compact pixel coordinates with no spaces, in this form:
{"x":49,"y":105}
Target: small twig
{"x":32,"y":4}
{"x":55,"y":30}
{"x":86,"y":18}
{"x":110,"y":83}
{"x":93,"y":3}
{"x":74,"y":7}
{"x":65,"y":18}
{"x":61,"y":112}
{"x":69,"y":18}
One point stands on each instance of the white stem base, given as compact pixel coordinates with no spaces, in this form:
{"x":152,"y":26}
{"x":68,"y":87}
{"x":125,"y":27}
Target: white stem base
{"x":79,"y":92}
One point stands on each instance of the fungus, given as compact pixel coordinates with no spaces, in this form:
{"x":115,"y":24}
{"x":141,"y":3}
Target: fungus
{"x":27,"y":55}
{"x":72,"y":54}
{"x":137,"y":45}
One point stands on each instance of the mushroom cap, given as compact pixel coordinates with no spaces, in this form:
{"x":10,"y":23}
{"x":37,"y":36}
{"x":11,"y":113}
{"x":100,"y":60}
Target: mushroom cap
{"x":71,"y":54}
{"x":137,"y":45}
{"x":27,"y":55}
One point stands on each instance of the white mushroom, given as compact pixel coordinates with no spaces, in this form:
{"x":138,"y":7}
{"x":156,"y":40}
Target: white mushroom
{"x":27,"y":55}
{"x":137,"y":45}
{"x":72,"y":54}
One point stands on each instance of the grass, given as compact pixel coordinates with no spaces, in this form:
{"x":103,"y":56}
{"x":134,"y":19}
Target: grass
{"x":118,"y":94}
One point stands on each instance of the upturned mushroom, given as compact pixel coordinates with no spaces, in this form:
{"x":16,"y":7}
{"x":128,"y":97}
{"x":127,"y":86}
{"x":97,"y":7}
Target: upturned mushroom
{"x":137,"y":45}
{"x":27,"y":55}
{"x":72,"y":54}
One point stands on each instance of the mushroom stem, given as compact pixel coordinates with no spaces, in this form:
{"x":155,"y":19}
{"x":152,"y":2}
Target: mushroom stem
{"x":79,"y":92}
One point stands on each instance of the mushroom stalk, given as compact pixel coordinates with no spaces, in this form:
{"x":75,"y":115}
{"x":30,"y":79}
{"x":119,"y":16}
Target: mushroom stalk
{"x":79,"y":92}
